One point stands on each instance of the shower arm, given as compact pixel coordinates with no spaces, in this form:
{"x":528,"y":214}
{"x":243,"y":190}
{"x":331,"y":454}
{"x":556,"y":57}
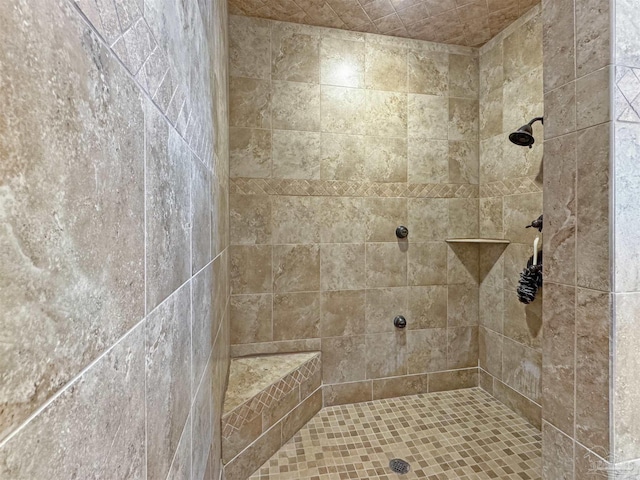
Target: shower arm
{"x":537,"y":119}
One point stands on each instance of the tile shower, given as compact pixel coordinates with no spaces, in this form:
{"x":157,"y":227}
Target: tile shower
{"x":337,"y":138}
{"x":329,"y":153}
{"x":173,"y":201}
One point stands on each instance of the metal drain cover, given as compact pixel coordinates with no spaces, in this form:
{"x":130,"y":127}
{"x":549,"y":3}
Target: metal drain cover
{"x":399,"y":466}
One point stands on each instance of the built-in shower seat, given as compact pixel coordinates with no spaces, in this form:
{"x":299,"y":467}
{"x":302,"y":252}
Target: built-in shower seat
{"x":269,"y":398}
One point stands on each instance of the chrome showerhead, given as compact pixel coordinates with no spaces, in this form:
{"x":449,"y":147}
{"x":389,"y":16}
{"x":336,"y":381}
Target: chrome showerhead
{"x":524,"y":135}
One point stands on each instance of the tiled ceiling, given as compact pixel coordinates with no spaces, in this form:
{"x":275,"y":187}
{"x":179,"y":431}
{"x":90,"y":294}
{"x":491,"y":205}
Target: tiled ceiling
{"x":461,"y":22}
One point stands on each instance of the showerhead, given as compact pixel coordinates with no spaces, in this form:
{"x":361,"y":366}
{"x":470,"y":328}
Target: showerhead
{"x":524,"y":135}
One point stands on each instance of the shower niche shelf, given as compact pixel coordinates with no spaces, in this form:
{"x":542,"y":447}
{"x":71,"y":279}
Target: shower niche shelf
{"x":484,"y":241}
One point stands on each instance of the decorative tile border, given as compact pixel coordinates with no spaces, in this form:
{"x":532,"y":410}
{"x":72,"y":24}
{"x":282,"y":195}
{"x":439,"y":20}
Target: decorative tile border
{"x":125,"y":28}
{"x":274,"y":186}
{"x":247,"y":411}
{"x":514,"y":186}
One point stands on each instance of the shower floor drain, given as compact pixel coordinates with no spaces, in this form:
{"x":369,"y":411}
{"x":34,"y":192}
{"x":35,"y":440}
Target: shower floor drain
{"x":399,"y":466}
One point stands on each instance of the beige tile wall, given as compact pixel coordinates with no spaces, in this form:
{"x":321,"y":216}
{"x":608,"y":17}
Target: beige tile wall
{"x":577,"y":347}
{"x":336,"y":139}
{"x":113,"y":188}
{"x":510,"y":333}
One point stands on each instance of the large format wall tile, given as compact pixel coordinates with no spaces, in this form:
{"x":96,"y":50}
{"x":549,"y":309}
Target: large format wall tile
{"x":342,"y":62}
{"x":296,"y":154}
{"x":382,"y":306}
{"x":295,"y":106}
{"x":295,"y":55}
{"x":102,"y":411}
{"x":251,"y":318}
{"x":342,"y":266}
{"x":249,"y":103}
{"x":559,"y":43}
{"x":560,"y":210}
{"x":592,"y":36}
{"x":296,"y":268}
{"x":98,"y":217}
{"x":249,"y":47}
{"x":203,"y":322}
{"x":343,"y":110}
{"x":593,"y":318}
{"x":167,"y":379}
{"x":342,"y":157}
{"x":342,"y":313}
{"x":168,"y":192}
{"x":72,"y":235}
{"x":558,"y":359}
{"x":557,"y":454}
{"x":200,"y":215}
{"x":428,"y":72}
{"x":593,"y":193}
{"x":202,"y":425}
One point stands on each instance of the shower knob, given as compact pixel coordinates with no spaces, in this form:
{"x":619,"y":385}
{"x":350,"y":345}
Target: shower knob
{"x":400,"y":322}
{"x":402,"y":231}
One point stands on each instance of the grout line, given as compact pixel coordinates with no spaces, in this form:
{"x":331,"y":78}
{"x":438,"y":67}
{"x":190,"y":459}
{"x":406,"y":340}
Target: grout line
{"x":612,"y":231}
{"x":146,"y":286}
{"x":68,"y":384}
{"x":575,"y":275}
{"x":182,"y":435}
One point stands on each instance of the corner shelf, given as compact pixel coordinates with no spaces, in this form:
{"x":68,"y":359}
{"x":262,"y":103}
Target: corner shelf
{"x":487,"y":241}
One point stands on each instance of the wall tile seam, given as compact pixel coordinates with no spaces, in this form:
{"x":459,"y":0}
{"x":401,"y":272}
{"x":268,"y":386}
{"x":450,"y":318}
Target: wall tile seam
{"x":496,"y":379}
{"x":510,"y":387}
{"x":447,"y":370}
{"x":361,"y":242}
{"x":558,"y":87}
{"x":145,"y":94}
{"x":573,"y":441}
{"x":75,"y":379}
{"x":201,"y":380}
{"x":358,"y":196}
{"x":528,"y":347}
{"x":353,"y":135}
{"x":219,"y":332}
{"x":249,"y":186}
{"x":546,"y":420}
{"x":372,"y":381}
{"x":370,"y":288}
{"x":183,"y":284}
{"x":514,"y":80}
{"x":188,"y":421}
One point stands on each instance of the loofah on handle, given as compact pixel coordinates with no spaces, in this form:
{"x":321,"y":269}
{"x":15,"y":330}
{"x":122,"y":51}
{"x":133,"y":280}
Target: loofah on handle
{"x":530,"y":281}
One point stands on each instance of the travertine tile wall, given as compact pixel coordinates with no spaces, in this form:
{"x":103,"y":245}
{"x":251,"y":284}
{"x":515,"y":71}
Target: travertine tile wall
{"x":581,"y":402}
{"x":113,"y":258}
{"x":510,"y":198}
{"x":337,"y":138}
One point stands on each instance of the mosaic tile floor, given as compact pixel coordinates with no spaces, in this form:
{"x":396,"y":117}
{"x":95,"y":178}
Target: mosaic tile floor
{"x":464,"y":434}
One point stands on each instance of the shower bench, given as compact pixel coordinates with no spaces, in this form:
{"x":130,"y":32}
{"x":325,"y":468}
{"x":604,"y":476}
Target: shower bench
{"x":269,"y":398}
